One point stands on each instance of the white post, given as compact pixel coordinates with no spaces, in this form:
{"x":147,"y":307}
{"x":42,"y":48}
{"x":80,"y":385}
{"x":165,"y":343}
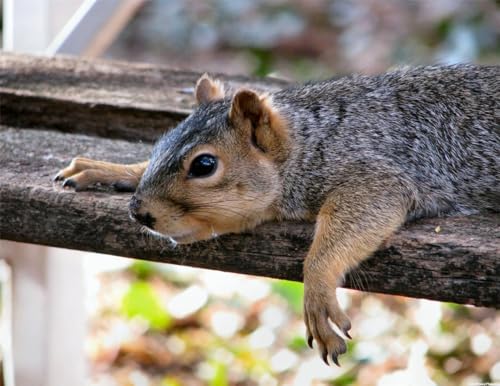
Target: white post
{"x":25,"y":25}
{"x":48,"y":315}
{"x":30,"y":25}
{"x":48,"y":312}
{"x":93,"y":27}
{"x":6,"y":323}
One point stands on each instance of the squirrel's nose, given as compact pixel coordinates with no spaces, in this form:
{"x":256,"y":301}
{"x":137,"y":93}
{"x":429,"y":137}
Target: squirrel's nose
{"x":142,"y":218}
{"x":134,"y":204}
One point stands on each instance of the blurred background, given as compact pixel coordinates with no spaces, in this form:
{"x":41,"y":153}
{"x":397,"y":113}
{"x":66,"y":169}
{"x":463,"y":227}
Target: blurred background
{"x":162,"y":325}
{"x":310,"y":39}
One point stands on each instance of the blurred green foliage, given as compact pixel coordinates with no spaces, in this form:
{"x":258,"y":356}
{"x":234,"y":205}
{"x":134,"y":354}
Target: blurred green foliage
{"x":297,"y":343}
{"x":291,"y":291}
{"x":170,"y":381}
{"x":142,"y":301}
{"x":219,"y":377}
{"x":143,"y":269}
{"x":311,"y":39}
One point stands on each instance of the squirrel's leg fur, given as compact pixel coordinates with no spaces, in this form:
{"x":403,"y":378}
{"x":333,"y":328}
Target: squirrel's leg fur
{"x":83,"y":172}
{"x":353,"y":222}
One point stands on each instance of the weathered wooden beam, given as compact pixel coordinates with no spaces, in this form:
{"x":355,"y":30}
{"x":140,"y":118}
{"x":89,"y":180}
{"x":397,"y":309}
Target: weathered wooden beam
{"x":103,"y":98}
{"x":460,"y":263}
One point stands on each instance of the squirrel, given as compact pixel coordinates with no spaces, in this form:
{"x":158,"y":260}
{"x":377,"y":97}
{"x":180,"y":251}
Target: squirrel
{"x":359,"y":155}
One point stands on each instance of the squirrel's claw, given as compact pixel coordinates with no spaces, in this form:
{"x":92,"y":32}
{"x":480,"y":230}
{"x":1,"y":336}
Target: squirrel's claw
{"x":309,"y":340}
{"x":319,"y":310}
{"x":324,"y":355}
{"x":334,"y":355}
{"x":69,"y":183}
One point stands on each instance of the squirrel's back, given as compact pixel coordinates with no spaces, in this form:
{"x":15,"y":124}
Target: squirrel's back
{"x":438,"y":127}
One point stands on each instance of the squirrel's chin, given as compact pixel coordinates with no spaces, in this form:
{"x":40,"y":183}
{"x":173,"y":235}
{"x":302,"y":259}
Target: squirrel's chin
{"x":184,"y":238}
{"x":192,"y":237}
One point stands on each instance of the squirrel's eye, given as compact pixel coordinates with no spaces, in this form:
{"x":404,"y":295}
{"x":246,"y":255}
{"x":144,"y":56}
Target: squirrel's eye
{"x":203,"y":166}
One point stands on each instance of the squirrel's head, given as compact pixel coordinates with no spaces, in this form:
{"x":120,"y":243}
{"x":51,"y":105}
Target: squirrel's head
{"x":216,"y":172}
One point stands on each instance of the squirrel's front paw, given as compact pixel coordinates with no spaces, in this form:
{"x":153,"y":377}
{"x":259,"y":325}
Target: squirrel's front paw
{"x":79,"y":174}
{"x":318,"y":308}
{"x":82,"y":173}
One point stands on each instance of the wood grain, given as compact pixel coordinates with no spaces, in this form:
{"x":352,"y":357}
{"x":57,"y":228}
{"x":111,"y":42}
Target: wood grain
{"x":461,"y":263}
{"x":45,"y":104}
{"x":103,"y":98}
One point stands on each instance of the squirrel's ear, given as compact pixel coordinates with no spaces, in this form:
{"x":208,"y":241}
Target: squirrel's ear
{"x":208,"y":90}
{"x":246,"y":104}
{"x":268,"y":128}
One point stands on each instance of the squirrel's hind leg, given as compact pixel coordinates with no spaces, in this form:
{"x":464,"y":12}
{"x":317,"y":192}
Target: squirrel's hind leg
{"x":352,"y":223}
{"x":83,"y":172}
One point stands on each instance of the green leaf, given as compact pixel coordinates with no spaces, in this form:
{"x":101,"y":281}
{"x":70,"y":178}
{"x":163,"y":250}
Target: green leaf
{"x":444,"y":27}
{"x":344,"y":380}
{"x":142,"y":269}
{"x":291,"y":291}
{"x":220,"y":374}
{"x":170,"y":381}
{"x":141,"y":301}
{"x":297,"y":343}
{"x":264,"y":60}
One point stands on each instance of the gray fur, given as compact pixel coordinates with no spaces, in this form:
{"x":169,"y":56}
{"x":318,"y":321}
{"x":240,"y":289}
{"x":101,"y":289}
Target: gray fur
{"x":438,"y":128}
{"x":361,"y":155}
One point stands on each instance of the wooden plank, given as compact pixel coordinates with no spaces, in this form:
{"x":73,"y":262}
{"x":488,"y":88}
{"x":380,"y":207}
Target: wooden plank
{"x":461,"y":263}
{"x":109,"y":99}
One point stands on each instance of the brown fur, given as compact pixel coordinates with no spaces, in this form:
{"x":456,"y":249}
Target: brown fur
{"x":350,"y":226}
{"x":200,"y":209}
{"x":208,"y":90}
{"x":83,"y":172}
{"x":360,"y":155}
